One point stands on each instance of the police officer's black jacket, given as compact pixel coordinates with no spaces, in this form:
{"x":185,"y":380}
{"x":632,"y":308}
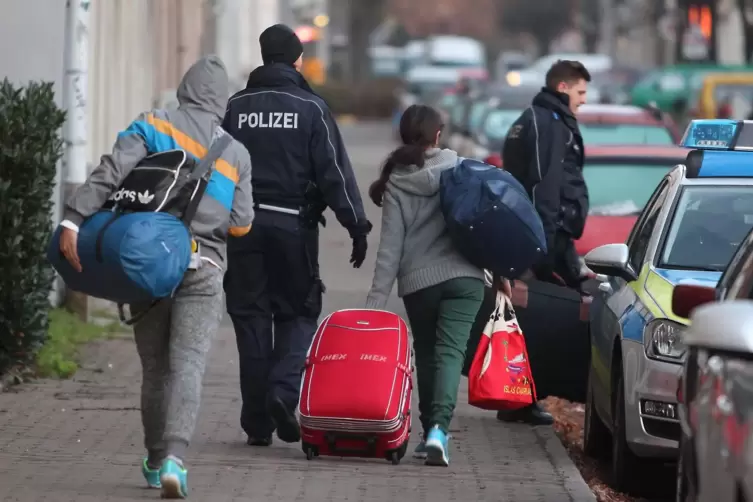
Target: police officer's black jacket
{"x":544,"y":151}
{"x":293,"y":141}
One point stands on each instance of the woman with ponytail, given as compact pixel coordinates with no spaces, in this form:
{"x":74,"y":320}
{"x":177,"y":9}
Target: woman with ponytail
{"x":441,"y":290}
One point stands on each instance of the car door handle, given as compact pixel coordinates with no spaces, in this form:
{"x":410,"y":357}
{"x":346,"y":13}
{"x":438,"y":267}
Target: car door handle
{"x":605,"y":287}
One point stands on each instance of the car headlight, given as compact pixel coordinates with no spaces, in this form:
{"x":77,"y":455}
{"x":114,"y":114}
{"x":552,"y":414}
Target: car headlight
{"x":662,"y":339}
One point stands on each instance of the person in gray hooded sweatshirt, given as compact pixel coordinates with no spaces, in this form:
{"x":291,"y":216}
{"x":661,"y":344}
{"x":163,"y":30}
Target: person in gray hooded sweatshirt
{"x":173,"y":338}
{"x":441,"y":290}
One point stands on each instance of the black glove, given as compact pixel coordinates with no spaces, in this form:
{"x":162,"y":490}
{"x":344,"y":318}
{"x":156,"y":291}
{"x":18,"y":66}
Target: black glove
{"x":360,"y":245}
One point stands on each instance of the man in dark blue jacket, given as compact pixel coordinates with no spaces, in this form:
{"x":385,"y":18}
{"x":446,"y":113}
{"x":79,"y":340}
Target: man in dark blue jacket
{"x":273,"y":288}
{"x":544,"y":151}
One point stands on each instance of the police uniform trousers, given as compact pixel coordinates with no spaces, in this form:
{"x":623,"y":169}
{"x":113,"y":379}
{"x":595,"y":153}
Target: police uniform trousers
{"x":274,"y":298}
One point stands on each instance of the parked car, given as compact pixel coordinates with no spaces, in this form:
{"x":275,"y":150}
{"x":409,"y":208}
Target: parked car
{"x":534,"y":74}
{"x":668,"y":87}
{"x":626,"y":125}
{"x":504,"y":107}
{"x":725,"y":95}
{"x":613,"y":86}
{"x":620,"y":180}
{"x":715,"y":393}
{"x":687,"y":232}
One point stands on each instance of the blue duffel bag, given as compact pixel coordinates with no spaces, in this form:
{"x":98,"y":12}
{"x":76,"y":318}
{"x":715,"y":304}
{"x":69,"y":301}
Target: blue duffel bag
{"x":491,"y":219}
{"x":138,"y":247}
{"x":126,"y":258}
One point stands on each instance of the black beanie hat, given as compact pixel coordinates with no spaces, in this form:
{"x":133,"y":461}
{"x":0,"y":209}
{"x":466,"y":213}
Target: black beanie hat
{"x":280,"y":44}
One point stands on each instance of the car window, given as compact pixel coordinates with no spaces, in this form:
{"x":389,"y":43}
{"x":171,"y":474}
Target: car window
{"x":638,"y":242}
{"x":707,"y":227}
{"x":737,"y":279}
{"x":457,"y":113}
{"x":672,"y":82}
{"x":625,"y":134}
{"x":447,"y":101}
{"x":498,"y":122}
{"x":622,"y":189}
{"x":476,"y":114}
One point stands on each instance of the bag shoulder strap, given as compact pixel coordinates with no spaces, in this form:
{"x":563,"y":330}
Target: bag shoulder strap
{"x":218,"y":146}
{"x":220,"y":142}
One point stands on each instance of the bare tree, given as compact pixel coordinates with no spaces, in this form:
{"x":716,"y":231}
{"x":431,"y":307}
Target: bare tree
{"x":746,"y":10}
{"x":365,"y":16}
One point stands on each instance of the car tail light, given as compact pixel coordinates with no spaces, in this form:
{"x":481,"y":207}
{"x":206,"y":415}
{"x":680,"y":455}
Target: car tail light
{"x":494,"y":160}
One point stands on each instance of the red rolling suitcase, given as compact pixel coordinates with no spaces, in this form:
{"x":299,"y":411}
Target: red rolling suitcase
{"x":356,"y":389}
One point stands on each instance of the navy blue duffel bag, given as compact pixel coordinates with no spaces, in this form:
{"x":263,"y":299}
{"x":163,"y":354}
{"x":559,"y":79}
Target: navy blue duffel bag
{"x":490,"y":218}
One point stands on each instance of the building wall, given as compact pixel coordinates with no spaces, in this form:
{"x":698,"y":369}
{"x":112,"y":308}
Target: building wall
{"x":121,"y":69}
{"x":179,"y":39}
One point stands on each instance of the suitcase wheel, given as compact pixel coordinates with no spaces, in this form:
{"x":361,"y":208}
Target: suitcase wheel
{"x":310,"y":451}
{"x":394,"y":458}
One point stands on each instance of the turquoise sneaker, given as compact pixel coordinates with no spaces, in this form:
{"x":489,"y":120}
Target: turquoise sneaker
{"x":151,"y":475}
{"x":437,"y":446}
{"x":172,"y":477}
{"x":420,"y":451}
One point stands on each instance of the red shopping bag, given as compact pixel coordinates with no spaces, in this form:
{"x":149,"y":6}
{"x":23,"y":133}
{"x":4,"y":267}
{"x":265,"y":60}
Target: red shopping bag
{"x":500,"y":377}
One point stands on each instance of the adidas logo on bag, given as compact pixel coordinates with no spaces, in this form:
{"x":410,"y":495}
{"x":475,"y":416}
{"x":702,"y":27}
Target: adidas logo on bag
{"x":146,"y":197}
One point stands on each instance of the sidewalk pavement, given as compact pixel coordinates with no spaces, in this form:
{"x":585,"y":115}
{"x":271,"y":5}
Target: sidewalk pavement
{"x":80,"y":440}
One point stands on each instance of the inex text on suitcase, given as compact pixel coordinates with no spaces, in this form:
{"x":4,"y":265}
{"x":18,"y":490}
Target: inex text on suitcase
{"x":357,"y":386}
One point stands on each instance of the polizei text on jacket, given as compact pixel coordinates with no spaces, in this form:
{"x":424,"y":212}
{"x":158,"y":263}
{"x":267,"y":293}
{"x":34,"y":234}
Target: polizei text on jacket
{"x":271,"y":120}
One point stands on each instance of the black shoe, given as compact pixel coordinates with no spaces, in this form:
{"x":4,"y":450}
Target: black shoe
{"x":533,"y":415}
{"x":288,"y":429}
{"x":259,"y":441}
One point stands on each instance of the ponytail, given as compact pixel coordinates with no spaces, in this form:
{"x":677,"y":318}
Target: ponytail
{"x":405,"y":155}
{"x":419,"y":127}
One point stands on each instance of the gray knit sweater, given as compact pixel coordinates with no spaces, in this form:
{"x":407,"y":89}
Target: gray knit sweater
{"x":414,"y":246}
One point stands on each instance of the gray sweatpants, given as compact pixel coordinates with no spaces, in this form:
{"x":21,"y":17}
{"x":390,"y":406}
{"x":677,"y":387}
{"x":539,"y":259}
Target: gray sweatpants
{"x":173,"y":340}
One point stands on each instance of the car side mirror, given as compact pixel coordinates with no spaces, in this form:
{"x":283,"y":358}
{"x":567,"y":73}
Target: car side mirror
{"x":686,"y":297}
{"x":725,"y":326}
{"x":612,"y":260}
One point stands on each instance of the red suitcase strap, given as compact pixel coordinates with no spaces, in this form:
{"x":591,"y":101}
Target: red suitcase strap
{"x":336,"y":358}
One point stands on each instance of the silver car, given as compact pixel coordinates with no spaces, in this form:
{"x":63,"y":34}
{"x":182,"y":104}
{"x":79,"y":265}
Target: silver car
{"x":715,"y":393}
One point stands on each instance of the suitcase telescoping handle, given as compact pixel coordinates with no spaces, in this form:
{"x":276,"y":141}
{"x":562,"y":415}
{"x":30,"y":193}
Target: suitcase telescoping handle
{"x":369,"y":449}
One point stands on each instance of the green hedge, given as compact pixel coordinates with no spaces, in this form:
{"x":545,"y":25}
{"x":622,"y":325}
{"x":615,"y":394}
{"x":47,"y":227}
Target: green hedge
{"x":30,"y":147}
{"x":372,"y":99}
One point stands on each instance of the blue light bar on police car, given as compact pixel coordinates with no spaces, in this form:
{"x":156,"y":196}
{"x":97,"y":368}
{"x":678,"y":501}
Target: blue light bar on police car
{"x":714,"y":134}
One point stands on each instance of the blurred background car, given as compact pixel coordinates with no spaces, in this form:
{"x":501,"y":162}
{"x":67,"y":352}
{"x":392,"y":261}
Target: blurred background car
{"x":620,"y":181}
{"x":602,"y":124}
{"x":535,"y":73}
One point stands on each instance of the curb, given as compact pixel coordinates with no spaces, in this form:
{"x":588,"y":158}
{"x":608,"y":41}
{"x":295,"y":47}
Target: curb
{"x":573,"y":481}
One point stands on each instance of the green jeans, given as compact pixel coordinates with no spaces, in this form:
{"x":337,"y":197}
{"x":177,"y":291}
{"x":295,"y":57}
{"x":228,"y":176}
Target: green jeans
{"x":441,"y":318}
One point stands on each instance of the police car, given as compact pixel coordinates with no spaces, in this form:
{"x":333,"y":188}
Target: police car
{"x":691,"y":226}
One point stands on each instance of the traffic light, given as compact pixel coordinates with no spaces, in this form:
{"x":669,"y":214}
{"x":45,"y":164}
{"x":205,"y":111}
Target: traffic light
{"x":701,"y":16}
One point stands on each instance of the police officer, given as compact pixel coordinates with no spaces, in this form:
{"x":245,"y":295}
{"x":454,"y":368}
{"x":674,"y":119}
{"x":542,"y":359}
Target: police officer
{"x":272,"y":284}
{"x":544,"y":151}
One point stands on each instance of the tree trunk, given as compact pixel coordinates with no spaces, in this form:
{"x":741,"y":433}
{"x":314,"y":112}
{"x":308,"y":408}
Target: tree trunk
{"x":365,"y":16}
{"x":743,"y":5}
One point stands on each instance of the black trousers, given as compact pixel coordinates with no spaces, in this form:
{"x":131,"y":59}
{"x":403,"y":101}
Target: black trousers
{"x":274,"y":298}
